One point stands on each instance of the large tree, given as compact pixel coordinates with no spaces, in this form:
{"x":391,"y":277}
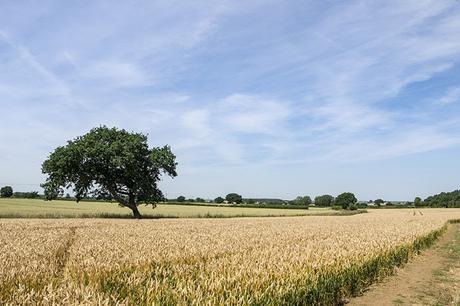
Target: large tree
{"x":109,"y":161}
{"x":346,"y":200}
{"x":234,"y":198}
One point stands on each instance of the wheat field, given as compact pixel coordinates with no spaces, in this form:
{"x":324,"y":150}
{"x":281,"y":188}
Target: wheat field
{"x":241,"y":261}
{"x":38,"y":208}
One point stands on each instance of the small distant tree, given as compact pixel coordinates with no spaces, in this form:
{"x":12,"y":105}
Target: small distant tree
{"x":199,"y":200}
{"x":418,"y":201}
{"x":379,"y":202}
{"x":191,"y":200}
{"x":6,"y":192}
{"x":325,"y":200}
{"x":250,"y":201}
{"x":180,"y":199}
{"x":219,"y":200}
{"x":345,"y":200}
{"x":234,"y":198}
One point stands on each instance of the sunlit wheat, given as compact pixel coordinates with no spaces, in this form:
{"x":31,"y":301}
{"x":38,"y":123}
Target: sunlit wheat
{"x":290,"y":260}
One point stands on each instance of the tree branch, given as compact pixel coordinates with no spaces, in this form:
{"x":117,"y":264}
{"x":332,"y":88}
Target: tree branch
{"x":117,"y":197}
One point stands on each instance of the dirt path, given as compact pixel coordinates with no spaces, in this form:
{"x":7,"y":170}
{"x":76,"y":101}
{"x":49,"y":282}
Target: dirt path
{"x":432,"y":278}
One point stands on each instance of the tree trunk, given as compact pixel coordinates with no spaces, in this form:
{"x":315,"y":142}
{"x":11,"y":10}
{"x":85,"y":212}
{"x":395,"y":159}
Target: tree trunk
{"x":136,"y":212}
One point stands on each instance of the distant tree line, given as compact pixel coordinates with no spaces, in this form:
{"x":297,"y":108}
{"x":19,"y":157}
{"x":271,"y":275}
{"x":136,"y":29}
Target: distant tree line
{"x":26,"y":195}
{"x":346,"y":200}
{"x":7,"y":192}
{"x":443,"y":199}
{"x":232,"y":198}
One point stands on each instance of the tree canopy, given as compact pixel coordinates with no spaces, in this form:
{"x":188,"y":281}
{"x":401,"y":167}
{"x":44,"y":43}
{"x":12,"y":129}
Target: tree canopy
{"x":324,"y":200}
{"x":234,"y":198}
{"x":109,"y":161}
{"x":346,"y":200}
{"x":301,"y":201}
{"x":6,"y":192}
{"x":219,"y":200}
{"x":379,"y":202}
{"x":444,"y":199}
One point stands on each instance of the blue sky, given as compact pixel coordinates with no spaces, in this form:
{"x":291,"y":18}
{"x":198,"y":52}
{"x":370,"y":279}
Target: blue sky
{"x":263,"y":98}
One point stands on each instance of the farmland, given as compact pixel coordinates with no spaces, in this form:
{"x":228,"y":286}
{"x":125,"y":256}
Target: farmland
{"x":69,"y":209}
{"x":291,"y":260}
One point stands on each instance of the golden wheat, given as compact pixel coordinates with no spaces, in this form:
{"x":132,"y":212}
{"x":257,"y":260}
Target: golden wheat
{"x":290,"y":260}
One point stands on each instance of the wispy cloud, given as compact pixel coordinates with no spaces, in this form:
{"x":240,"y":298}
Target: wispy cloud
{"x":56,"y":86}
{"x":227,"y":84}
{"x":451,"y":96}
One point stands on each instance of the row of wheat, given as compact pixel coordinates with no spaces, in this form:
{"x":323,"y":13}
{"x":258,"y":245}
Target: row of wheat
{"x":289,"y":260}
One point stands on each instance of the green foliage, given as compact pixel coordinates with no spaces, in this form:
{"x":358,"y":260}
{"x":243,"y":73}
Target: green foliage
{"x":301,"y":201}
{"x":219,"y":200}
{"x":324,"y":200}
{"x":345,"y":200}
{"x":444,"y":199}
{"x":180,"y":199}
{"x":269,"y":201}
{"x":26,"y":195}
{"x":200,"y":200}
{"x":109,"y":160}
{"x":6,"y":192}
{"x":379,"y":202}
{"x":234,"y":198}
{"x":418,"y":202}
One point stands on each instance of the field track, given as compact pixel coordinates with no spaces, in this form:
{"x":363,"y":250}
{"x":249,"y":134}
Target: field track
{"x":433,"y":278}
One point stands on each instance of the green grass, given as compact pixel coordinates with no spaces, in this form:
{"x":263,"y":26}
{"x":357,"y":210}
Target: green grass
{"x":27,"y":208}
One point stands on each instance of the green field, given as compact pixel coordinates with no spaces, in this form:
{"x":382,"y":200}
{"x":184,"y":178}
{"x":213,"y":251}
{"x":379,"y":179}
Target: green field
{"x":27,"y":208}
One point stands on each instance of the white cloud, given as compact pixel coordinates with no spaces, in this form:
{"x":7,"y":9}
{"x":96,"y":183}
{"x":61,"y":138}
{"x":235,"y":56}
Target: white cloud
{"x":452,"y":96}
{"x":197,"y":122}
{"x":233,"y":84}
{"x":21,"y":59}
{"x":117,"y":73}
{"x":252,"y":114}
